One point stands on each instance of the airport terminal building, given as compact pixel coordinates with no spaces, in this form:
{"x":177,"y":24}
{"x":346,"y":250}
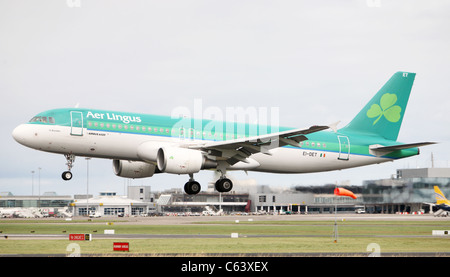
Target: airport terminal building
{"x":407,"y":191}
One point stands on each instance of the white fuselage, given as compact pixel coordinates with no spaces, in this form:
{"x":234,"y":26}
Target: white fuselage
{"x":124,"y":146}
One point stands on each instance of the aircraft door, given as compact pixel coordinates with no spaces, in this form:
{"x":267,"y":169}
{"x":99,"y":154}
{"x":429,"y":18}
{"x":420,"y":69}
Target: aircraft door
{"x":76,"y":123}
{"x":344,"y":148}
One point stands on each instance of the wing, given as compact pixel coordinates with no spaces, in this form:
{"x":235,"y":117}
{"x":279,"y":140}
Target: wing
{"x":238,"y":150}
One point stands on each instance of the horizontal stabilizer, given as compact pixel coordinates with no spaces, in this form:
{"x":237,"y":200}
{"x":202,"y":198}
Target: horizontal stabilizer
{"x":382,"y":150}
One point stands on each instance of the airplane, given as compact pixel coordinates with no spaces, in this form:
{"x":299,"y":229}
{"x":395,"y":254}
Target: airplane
{"x":142,"y":145}
{"x":441,"y":201}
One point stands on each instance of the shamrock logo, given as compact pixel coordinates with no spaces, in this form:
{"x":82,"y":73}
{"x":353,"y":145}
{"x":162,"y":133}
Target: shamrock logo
{"x":386,"y":109}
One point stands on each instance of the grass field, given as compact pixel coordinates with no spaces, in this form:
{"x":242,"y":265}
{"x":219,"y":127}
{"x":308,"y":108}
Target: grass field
{"x":262,"y":237}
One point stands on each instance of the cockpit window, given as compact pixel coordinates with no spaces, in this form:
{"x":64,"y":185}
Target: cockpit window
{"x":43,"y":119}
{"x":35,"y":119}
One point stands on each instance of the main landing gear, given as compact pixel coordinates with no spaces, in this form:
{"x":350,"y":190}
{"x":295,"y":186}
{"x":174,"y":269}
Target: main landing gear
{"x":221,"y":185}
{"x":192,"y":186}
{"x":224,"y":185}
{"x":67,"y":175}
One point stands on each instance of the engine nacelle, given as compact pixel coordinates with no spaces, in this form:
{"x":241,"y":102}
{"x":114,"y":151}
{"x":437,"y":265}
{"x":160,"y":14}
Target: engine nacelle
{"x":182,"y":161}
{"x":131,"y":169}
{"x":148,"y":151}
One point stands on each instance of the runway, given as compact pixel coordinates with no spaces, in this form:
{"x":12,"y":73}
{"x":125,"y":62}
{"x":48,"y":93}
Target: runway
{"x":171,"y":220}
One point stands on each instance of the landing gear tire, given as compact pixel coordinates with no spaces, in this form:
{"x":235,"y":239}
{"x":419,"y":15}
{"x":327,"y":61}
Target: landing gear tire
{"x":67,"y":175}
{"x":224,"y":185}
{"x":192,"y":187}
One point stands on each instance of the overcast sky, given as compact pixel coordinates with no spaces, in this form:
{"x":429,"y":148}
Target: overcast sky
{"x":316,"y":61}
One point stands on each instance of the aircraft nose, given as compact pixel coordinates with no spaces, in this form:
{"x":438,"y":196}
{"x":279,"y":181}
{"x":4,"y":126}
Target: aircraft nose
{"x":20,"y":133}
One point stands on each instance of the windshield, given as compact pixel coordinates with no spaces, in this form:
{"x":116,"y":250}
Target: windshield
{"x":43,"y":119}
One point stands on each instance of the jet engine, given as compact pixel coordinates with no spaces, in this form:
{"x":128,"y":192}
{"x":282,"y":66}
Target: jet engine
{"x":131,"y":169}
{"x":182,"y":161}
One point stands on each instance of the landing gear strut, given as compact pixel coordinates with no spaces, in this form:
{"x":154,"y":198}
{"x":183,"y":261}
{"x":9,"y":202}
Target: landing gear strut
{"x":67,"y":175}
{"x":192,"y":186}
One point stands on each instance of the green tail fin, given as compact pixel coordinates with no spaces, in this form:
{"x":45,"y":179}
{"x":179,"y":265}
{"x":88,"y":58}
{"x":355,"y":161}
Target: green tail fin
{"x":383,"y":115}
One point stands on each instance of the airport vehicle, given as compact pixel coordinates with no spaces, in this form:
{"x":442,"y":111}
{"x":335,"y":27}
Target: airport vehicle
{"x":142,"y":145}
{"x":95,"y":214}
{"x":360,"y":209}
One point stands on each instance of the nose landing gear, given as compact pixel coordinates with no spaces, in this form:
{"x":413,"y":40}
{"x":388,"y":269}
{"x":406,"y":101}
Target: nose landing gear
{"x":67,"y":175}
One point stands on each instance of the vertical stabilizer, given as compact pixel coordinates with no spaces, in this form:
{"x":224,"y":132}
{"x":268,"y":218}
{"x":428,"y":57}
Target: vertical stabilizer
{"x":383,"y":115}
{"x":440,"y":197}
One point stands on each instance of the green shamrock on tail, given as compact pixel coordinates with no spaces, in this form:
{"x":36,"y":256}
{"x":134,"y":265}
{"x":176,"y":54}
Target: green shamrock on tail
{"x":386,"y":108}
